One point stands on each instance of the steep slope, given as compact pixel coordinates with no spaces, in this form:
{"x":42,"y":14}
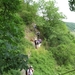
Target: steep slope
{"x":41,"y":59}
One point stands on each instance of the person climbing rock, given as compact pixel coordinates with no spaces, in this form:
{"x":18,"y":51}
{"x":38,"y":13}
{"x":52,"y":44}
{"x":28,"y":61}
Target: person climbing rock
{"x":38,"y":34}
{"x":30,"y":71}
{"x":39,"y":43}
{"x":35,"y":42}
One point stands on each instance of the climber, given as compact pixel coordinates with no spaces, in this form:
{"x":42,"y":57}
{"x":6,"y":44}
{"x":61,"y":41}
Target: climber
{"x":36,"y":42}
{"x":38,"y":34}
{"x":30,"y":71}
{"x":39,"y":43}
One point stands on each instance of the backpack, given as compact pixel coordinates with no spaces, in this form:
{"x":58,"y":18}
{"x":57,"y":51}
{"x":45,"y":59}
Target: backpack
{"x":37,"y":42}
{"x":26,"y":72}
{"x":40,"y":40}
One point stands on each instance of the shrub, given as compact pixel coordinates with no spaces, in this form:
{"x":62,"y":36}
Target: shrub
{"x":12,"y":72}
{"x":63,"y":54}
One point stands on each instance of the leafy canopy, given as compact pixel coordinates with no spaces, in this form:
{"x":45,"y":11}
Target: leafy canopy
{"x":11,"y":36}
{"x":72,"y":5}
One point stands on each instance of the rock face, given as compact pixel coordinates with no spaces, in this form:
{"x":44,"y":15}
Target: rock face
{"x":23,"y":72}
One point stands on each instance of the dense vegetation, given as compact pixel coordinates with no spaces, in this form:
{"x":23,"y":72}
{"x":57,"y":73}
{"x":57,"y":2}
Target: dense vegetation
{"x":11,"y":36}
{"x":55,"y":56}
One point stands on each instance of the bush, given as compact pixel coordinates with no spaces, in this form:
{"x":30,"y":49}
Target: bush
{"x":63,"y":54}
{"x":12,"y":72}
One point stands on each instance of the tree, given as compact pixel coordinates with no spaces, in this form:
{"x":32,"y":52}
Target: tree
{"x":52,"y":26}
{"x":72,"y":5}
{"x":55,"y":32}
{"x":11,"y":36}
{"x":28,"y":12}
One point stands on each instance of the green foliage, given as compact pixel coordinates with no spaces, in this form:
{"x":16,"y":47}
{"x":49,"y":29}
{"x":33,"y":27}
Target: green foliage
{"x":52,"y":62}
{"x":43,"y":62}
{"x":12,"y":72}
{"x":7,"y":6}
{"x":10,"y":48}
{"x":27,"y":17}
{"x":11,"y":37}
{"x":72,"y":5}
{"x":55,"y":33}
{"x":64,"y":54}
{"x":28,"y":12}
{"x":59,"y":57}
{"x":50,"y":24}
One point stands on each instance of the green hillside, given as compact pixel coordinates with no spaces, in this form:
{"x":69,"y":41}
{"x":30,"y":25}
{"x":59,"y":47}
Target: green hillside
{"x":55,"y":56}
{"x":41,"y":59}
{"x":44,"y":61}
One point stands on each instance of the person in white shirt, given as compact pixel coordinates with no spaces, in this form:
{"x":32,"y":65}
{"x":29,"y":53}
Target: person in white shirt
{"x":30,"y":71}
